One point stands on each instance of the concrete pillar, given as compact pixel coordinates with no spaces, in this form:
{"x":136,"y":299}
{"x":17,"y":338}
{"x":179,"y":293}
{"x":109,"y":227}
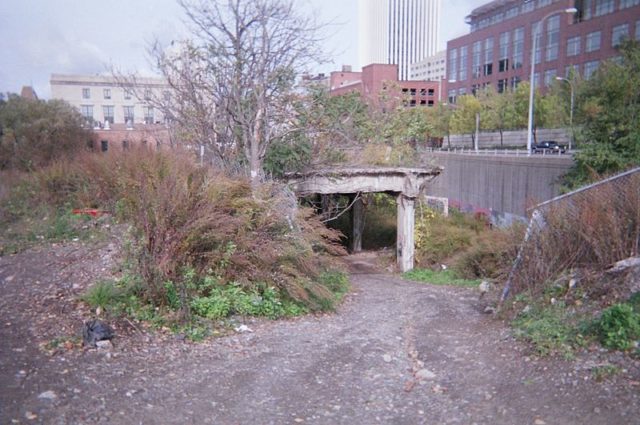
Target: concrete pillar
{"x":357,"y":225}
{"x":405,"y":242}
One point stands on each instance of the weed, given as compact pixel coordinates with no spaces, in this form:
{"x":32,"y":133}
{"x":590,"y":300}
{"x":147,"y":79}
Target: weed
{"x":619,"y":327}
{"x":602,"y":373}
{"x":444,"y":277}
{"x":336,"y":281}
{"x":103,"y":294}
{"x":550,"y":329}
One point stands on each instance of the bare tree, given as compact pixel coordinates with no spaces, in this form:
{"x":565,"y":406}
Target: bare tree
{"x":233,"y":81}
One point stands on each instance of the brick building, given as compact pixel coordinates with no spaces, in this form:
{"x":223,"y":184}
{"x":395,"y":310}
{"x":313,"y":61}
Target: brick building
{"x":497,"y":51}
{"x":378,"y":80}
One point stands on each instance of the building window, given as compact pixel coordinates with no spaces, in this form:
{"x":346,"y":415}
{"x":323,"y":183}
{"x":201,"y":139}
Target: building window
{"x":104,"y":145}
{"x":128,"y":115}
{"x":543,"y":3}
{"x":148,"y":114}
{"x":553,"y":38}
{"x":477,"y":49}
{"x":147,"y":94}
{"x":86,"y":93}
{"x":527,"y":7}
{"x":573,"y":46}
{"x":536,"y":80}
{"x":431,"y":92}
{"x":628,"y":3}
{"x":107,"y":111}
{"x":430,"y":103}
{"x":515,"y":82}
{"x":453,"y":63}
{"x":586,"y":9}
{"x":518,"y":47}
{"x":166,"y":95}
{"x":603,"y":7}
{"x":619,"y":33}
{"x":503,"y":85}
{"x":503,"y":62}
{"x":536,"y":31}
{"x":488,"y":56}
{"x":463,"y":63}
{"x":593,"y":41}
{"x":125,"y":145}
{"x":87,"y":112}
{"x":452,"y":96}
{"x":512,"y":12}
{"x":127,"y":94}
{"x":106,"y":93}
{"x":590,"y":68}
{"x":549,"y":77}
{"x":571,"y":71}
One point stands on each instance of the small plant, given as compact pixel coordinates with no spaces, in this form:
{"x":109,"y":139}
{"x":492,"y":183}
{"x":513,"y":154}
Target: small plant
{"x":104,"y":294}
{"x":550,"y":329}
{"x":337,"y":282}
{"x":619,"y":327}
{"x":602,"y":373}
{"x":444,"y":277}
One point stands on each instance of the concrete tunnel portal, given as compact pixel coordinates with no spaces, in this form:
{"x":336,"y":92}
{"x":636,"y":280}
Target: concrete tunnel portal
{"x":406,"y":184}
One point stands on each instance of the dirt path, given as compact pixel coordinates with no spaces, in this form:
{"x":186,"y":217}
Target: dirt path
{"x":396,"y":352}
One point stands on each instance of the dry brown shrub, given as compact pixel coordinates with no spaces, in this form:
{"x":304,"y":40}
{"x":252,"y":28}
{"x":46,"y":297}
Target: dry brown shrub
{"x":189,"y":217}
{"x":585,"y":232}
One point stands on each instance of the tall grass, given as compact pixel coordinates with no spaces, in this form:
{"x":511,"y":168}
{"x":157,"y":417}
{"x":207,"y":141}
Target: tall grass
{"x":587,"y":232}
{"x":186,"y":217}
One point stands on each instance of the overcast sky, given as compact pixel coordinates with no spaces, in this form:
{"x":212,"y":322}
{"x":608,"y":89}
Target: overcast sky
{"x":41,"y":37}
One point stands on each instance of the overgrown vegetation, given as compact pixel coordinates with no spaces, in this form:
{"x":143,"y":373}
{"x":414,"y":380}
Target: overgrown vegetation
{"x":35,"y":133}
{"x":565,"y":287}
{"x":204,"y":244}
{"x":464,"y":243}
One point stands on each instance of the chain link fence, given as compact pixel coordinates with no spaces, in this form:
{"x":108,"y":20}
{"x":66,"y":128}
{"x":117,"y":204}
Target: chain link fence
{"x":582,"y":232}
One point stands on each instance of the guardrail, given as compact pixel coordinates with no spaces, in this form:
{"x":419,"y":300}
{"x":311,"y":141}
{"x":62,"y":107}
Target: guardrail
{"x":494,"y":152}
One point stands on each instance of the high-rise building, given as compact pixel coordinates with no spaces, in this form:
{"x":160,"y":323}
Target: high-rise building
{"x":398,"y":32}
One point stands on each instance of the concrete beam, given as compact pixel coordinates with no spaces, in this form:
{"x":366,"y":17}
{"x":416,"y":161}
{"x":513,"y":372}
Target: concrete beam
{"x":409,"y":181}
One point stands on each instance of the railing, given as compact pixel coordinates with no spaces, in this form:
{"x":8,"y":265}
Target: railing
{"x":493,"y":152}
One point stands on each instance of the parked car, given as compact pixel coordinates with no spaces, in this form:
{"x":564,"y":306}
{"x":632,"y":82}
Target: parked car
{"x":548,"y":146}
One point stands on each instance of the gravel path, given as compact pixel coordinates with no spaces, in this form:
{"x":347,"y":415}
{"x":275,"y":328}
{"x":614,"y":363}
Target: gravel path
{"x":395,"y":352}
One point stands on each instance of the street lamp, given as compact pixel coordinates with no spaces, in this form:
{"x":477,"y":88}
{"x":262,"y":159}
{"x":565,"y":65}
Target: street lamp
{"x":533,"y":65}
{"x":571,"y":108}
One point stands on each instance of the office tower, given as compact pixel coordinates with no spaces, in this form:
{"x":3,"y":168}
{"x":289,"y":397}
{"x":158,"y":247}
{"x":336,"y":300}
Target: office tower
{"x":398,"y":32}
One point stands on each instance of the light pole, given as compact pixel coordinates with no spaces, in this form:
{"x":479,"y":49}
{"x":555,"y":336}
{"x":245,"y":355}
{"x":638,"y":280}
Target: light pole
{"x":533,"y":65}
{"x":571,"y":107}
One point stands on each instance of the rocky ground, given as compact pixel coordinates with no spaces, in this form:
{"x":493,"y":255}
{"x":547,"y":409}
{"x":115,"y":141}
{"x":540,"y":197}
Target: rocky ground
{"x":395,"y":352}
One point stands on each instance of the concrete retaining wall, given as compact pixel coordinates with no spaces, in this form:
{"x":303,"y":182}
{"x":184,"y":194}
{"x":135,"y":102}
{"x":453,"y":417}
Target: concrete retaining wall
{"x":506,"y":185}
{"x":510,"y":138}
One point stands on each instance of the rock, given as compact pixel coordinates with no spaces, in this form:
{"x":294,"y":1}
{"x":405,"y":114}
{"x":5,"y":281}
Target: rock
{"x":30,"y":415}
{"x":48,"y":395}
{"x":104,"y":345}
{"x":425,"y":374}
{"x":386,"y":358}
{"x":489,"y":310}
{"x":243,"y":328}
{"x":484,"y":287}
{"x":539,"y":422}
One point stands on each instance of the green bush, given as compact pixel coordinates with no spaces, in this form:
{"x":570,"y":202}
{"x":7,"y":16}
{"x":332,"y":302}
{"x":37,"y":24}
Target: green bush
{"x":619,"y":327}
